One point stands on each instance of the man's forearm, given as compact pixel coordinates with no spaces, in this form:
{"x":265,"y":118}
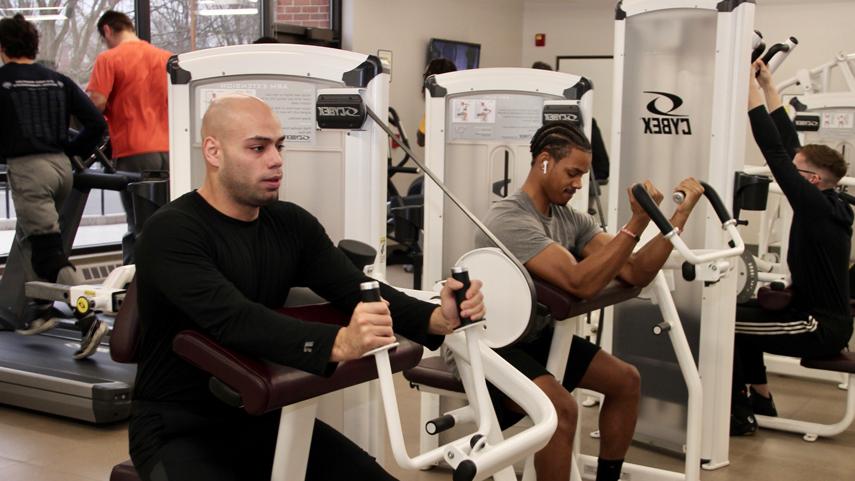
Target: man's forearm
{"x":594,"y":272}
{"x":773,"y":98}
{"x":644,"y":264}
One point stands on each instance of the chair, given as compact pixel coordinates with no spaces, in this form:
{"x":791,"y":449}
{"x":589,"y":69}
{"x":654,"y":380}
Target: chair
{"x":259,"y":386}
{"x":843,"y":363}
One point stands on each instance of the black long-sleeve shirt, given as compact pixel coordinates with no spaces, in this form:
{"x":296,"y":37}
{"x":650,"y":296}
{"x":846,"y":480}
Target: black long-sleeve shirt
{"x":200,"y":269}
{"x":35,"y":107}
{"x":821,"y":231}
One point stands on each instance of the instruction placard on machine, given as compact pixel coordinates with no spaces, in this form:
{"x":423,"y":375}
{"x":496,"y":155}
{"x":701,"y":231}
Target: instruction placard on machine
{"x":292,"y":101}
{"x":494,"y":117}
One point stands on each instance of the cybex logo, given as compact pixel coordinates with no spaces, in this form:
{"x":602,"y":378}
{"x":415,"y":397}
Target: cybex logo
{"x":666,"y":122}
{"x":338,"y":111}
{"x":297,"y":138}
{"x":560,"y":117}
{"x":807,"y":123}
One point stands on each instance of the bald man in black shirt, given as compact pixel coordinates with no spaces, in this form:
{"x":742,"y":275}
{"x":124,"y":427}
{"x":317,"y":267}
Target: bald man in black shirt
{"x":219,"y":260}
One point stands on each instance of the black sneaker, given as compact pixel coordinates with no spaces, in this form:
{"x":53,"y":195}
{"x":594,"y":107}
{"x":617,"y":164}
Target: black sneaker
{"x":44,"y":318}
{"x":90,"y":342}
{"x":762,"y":405}
{"x":742,"y":422}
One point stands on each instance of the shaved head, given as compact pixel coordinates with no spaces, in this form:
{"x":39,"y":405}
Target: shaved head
{"x":227,"y":112}
{"x":241,"y":143}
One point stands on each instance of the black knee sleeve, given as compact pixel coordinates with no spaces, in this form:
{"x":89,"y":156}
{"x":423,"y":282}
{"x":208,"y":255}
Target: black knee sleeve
{"x":48,"y":257}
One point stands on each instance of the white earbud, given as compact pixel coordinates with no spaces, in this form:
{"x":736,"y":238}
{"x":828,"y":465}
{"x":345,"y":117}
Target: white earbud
{"x":545,"y":163}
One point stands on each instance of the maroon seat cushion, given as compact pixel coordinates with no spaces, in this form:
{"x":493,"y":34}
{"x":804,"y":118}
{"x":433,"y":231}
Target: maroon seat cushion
{"x":843,"y":362}
{"x":124,"y":472}
{"x":563,"y":305}
{"x":264,"y":386}
{"x":434,"y":372}
{"x":123,"y":339}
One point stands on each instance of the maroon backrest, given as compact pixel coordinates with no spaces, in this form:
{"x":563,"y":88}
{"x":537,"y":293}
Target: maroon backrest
{"x":125,"y":336}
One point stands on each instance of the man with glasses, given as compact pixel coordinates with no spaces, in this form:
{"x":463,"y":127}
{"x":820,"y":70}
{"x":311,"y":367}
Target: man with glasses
{"x":128,"y":84}
{"x":818,"y":321}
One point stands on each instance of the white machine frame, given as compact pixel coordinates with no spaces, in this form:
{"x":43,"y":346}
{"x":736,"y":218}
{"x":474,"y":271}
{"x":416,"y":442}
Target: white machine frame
{"x":356,"y":410}
{"x":734,"y":31}
{"x":553,"y":86}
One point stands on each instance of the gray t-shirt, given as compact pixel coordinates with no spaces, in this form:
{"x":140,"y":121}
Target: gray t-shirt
{"x":526,"y":232}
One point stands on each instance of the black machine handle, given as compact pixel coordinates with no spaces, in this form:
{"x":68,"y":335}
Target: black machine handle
{"x":461,"y":274}
{"x":778,"y":47}
{"x":440,"y":424}
{"x":720,"y":209}
{"x":643,"y":197}
{"x":712,"y":196}
{"x":759,"y":46}
{"x":370,"y":291}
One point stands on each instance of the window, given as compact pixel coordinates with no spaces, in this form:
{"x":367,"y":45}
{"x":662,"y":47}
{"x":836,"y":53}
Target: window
{"x":69,"y":39}
{"x":69,"y":42}
{"x":185,"y":26}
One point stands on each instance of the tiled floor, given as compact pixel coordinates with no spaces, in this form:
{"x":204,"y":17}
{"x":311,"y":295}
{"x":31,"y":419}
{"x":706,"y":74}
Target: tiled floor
{"x":34,"y":447}
{"x":37,"y":447}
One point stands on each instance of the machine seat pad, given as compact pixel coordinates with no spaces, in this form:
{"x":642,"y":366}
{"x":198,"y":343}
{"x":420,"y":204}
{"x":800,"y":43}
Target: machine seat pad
{"x":124,"y":472}
{"x":264,"y":386}
{"x":124,"y":339}
{"x":843,"y":362}
{"x":563,"y":305}
{"x":434,"y":372}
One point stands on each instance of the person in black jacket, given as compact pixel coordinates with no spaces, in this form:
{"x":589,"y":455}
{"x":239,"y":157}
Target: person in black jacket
{"x":220,"y":260}
{"x":35,"y":106}
{"x":818,"y":321}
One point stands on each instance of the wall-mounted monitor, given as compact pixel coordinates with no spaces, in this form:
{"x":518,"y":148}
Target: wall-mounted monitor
{"x":465,"y":55}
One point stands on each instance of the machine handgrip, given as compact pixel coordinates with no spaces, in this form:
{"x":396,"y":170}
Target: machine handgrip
{"x":370,"y":291}
{"x":778,"y":47}
{"x":461,"y":274}
{"x":715,"y":200}
{"x":757,"y":46}
{"x":652,"y":209}
{"x":440,"y":424}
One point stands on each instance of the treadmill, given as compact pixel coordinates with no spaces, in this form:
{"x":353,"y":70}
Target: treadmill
{"x":38,"y":372}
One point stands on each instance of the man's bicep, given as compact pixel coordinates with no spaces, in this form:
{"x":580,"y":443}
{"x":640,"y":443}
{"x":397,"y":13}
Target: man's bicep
{"x":100,"y":83}
{"x":552,"y":264}
{"x":596,"y":243}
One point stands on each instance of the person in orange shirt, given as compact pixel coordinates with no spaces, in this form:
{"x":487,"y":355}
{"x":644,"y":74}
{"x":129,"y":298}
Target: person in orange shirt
{"x":129,"y":86}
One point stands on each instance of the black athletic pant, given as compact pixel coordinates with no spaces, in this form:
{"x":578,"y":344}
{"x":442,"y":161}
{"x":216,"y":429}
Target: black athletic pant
{"x":785,"y":332}
{"x":136,"y":163}
{"x":244,"y":452}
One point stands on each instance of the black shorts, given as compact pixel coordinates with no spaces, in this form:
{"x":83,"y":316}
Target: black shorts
{"x":530,"y":359}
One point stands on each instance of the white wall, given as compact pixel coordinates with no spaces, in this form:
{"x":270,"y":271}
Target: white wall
{"x":570,"y":28}
{"x":406,"y":26}
{"x":822,"y":28}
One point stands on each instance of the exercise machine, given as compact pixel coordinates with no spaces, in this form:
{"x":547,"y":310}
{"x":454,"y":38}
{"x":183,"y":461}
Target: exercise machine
{"x":679,"y":110}
{"x":479,"y":124}
{"x":434,"y":376}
